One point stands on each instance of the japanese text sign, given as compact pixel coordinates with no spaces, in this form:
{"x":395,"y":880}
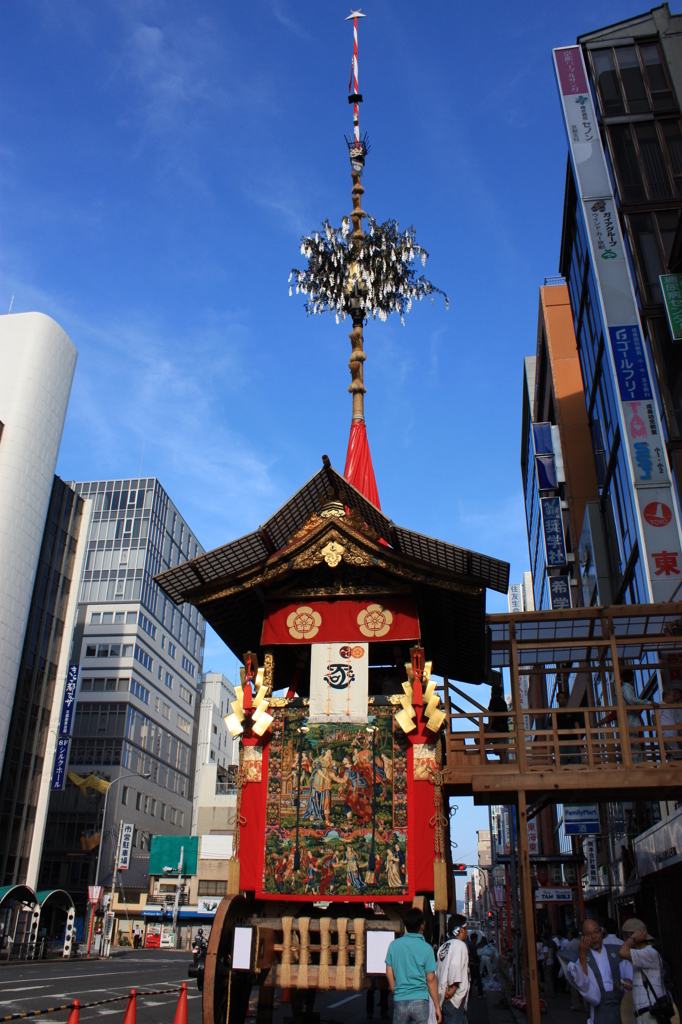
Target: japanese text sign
{"x":60,"y":760}
{"x":126,"y":846}
{"x":69,"y":702}
{"x":552,"y":525}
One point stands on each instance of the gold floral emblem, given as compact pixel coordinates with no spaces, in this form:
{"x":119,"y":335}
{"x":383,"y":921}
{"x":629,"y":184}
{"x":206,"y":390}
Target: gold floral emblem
{"x":304,"y":623}
{"x":333,"y":553}
{"x":374,"y":621}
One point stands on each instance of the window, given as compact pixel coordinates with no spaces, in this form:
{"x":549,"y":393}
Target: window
{"x":152,"y":808}
{"x":162,"y":812}
{"x":130,"y":616}
{"x":163,"y":642}
{"x":86,"y":685}
{"x":188,"y":666}
{"x":90,"y":651}
{"x":171,"y":649}
{"x":181,"y":819}
{"x":652,"y":237}
{"x":183,"y":724}
{"x":212,"y":887}
{"x":127,"y":651}
{"x":95,"y":618}
{"x":98,"y":685}
{"x":107,"y":618}
{"x":186,"y":695}
{"x":118,"y":618}
{"x":110,"y":684}
{"x":160,"y":671}
{"x":146,"y":805}
{"x":138,"y":801}
{"x":166,"y":711}
{"x":139,"y":691}
{"x":124,"y":795}
{"x":173,"y":816}
{"x":157,"y":704}
{"x":123,"y":685}
{"x":631,"y":79}
{"x":215,"y":729}
{"x":169,"y":680}
{"x":147,"y":626}
{"x":213,"y":755}
{"x":144,"y":658}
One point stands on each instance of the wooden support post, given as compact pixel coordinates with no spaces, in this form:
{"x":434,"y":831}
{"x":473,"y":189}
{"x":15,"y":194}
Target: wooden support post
{"x":519,"y":731}
{"x":527,"y":914}
{"x":623,"y":727}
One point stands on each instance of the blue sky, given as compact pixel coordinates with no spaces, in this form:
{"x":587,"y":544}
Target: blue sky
{"x":160,"y":162}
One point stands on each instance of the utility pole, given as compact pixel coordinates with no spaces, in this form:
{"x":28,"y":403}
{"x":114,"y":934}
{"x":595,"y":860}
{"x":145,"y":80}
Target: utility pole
{"x":110,"y":919}
{"x":176,"y":904}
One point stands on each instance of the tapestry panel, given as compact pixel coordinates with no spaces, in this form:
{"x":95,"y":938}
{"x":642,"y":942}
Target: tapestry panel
{"x":337,"y":793}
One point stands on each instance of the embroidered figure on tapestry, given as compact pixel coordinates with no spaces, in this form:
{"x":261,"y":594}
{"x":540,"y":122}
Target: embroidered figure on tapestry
{"x":337,"y":793}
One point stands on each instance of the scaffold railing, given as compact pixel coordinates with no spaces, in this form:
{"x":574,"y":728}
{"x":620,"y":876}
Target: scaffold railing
{"x":609,"y":662}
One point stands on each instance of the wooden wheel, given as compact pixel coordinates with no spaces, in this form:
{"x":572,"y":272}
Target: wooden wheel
{"x":233,"y":910}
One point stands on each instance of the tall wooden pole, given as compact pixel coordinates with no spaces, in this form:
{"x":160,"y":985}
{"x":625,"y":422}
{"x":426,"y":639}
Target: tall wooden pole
{"x":527,"y":914}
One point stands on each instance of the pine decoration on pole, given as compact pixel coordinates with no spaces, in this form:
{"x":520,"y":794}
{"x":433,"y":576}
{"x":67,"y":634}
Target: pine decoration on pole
{"x":360,"y":274}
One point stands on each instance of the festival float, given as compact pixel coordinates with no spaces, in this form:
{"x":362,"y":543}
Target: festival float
{"x":345,"y":624}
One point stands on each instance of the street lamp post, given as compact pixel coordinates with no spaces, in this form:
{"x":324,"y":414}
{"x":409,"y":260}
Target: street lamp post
{"x":130,"y":775}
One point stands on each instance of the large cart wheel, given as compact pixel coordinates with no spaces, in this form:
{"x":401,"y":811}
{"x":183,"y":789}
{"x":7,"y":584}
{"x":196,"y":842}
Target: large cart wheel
{"x":233,"y":910}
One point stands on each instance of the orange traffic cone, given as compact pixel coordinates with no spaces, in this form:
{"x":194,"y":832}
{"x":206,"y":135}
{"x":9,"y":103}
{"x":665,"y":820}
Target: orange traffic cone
{"x":131,"y":1012}
{"x":74,"y":1016}
{"x":181,"y":1011}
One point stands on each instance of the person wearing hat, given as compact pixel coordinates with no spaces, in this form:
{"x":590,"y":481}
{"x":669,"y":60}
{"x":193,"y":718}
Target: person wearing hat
{"x":453,"y":972}
{"x":597,"y":974}
{"x":646,"y":964}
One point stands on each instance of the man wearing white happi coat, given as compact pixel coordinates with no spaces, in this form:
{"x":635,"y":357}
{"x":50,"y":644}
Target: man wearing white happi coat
{"x":597,"y":975}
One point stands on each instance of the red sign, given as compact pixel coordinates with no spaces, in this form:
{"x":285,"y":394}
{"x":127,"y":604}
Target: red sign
{"x":657,"y":514}
{"x":95,"y":893}
{"x":336,"y":621}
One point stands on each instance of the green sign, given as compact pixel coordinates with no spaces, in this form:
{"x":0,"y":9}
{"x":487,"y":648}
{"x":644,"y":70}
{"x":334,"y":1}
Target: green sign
{"x":165,"y":855}
{"x":671,"y":286}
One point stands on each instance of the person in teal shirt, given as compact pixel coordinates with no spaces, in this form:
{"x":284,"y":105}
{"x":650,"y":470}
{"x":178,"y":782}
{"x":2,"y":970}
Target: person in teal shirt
{"x":411,"y":973}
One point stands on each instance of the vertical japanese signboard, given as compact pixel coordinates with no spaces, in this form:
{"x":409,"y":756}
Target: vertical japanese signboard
{"x":126,"y":846}
{"x":560,"y":591}
{"x":552,"y":525}
{"x":637,"y":407}
{"x":69,"y":702}
{"x":61,"y":755}
{"x":671,"y":286}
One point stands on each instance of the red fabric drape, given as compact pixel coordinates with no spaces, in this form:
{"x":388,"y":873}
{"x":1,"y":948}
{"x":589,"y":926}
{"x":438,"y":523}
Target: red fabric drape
{"x":359,"y":470}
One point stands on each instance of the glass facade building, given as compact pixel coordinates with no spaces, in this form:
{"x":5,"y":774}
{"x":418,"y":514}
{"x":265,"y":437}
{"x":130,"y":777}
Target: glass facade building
{"x":28,"y":730}
{"x":633,"y":70}
{"x":140,"y":659}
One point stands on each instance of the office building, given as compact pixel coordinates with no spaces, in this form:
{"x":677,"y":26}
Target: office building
{"x":557,"y":467}
{"x":620,"y":91}
{"x":215,"y":745}
{"x":621,"y":214}
{"x":140,"y":659}
{"x":34,"y":724}
{"x":38,"y":361}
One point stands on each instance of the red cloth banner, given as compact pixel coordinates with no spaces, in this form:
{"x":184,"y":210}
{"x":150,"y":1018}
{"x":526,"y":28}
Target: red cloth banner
{"x":339,"y":621}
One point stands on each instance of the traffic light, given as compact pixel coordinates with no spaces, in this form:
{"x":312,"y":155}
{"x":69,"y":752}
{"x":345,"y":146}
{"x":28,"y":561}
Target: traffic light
{"x":459,"y":869}
{"x":490,"y":913}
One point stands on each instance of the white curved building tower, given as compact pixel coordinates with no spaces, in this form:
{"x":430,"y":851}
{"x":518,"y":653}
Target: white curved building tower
{"x":37,"y":364}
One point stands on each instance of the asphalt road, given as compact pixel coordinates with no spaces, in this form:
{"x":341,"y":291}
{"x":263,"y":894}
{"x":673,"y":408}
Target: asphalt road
{"x":35,"y":986}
